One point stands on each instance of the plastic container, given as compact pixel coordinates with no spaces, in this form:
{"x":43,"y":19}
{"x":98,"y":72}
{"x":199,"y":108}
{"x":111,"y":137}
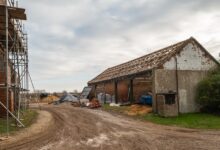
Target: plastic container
{"x":146,"y":100}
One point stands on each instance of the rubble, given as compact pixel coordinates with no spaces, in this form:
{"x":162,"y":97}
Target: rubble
{"x":94,"y":103}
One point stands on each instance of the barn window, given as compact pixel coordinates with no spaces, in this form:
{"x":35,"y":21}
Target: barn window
{"x":170,"y":99}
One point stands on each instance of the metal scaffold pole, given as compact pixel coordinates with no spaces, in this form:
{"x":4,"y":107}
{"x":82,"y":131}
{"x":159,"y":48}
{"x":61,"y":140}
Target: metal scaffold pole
{"x":7,"y":103}
{"x":14,"y":60}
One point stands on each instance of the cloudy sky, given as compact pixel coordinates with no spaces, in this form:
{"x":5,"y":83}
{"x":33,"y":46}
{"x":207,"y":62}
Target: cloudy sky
{"x":71,"y":41}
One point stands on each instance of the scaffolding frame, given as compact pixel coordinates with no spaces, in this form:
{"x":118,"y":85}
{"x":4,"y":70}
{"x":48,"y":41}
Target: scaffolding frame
{"x":14,"y":45}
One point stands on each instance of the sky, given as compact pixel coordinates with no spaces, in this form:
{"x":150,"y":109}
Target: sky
{"x":72,"y":41}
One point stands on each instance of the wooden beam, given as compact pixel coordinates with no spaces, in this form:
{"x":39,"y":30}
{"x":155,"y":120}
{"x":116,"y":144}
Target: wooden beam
{"x":147,"y":74}
{"x":105,"y":94}
{"x":131,"y":94}
{"x":95,"y":91}
{"x":116,"y":92}
{"x":14,"y":12}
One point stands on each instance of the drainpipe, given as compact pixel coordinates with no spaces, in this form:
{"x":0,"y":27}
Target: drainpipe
{"x":177,"y":85}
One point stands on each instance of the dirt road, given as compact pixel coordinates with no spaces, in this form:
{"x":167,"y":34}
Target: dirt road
{"x":84,"y":129}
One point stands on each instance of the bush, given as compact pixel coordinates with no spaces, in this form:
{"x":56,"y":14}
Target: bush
{"x":208,"y":92}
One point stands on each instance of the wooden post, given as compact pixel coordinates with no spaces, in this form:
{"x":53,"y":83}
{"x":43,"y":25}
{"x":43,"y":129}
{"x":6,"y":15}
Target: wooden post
{"x":104,"y":95}
{"x":131,"y":96}
{"x":95,"y":91}
{"x":154,"y":96}
{"x":116,"y":92}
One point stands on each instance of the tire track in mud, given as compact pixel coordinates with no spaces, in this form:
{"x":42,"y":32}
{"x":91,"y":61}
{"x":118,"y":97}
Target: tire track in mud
{"x":40,"y":139}
{"x":84,"y":129}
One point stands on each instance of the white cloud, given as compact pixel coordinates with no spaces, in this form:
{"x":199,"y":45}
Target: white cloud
{"x":73,"y":41}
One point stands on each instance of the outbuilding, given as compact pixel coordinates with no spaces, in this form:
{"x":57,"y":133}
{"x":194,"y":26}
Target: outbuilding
{"x":170,"y":74}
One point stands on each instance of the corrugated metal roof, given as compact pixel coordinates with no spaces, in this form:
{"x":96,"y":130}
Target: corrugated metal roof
{"x":144,"y":63}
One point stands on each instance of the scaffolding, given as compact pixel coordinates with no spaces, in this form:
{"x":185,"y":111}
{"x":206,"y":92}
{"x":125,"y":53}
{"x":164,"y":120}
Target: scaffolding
{"x":14,"y":73}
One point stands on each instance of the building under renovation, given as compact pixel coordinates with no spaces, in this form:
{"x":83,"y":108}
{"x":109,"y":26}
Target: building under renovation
{"x":170,"y":75}
{"x":13,"y":58}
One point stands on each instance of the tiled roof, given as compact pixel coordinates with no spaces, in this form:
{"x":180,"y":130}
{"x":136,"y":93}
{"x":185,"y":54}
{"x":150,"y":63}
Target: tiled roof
{"x":141,"y":64}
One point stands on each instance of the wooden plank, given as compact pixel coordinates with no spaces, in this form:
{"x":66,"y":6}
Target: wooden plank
{"x":14,"y":13}
{"x":17,"y":13}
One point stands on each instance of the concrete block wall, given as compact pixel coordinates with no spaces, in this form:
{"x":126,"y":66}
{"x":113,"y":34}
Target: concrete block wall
{"x":165,"y":109}
{"x":165,"y":81}
{"x":192,"y":64}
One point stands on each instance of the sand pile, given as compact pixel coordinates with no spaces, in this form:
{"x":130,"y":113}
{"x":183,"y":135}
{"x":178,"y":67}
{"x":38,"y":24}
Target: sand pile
{"x":49,"y":99}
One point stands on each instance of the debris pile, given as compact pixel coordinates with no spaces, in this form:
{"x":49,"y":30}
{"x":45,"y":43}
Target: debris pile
{"x":94,"y":103}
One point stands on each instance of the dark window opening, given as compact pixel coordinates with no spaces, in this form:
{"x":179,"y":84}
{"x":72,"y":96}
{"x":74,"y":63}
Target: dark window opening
{"x":170,"y":99}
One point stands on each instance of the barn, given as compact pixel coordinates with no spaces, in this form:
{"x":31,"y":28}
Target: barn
{"x":170,"y":74}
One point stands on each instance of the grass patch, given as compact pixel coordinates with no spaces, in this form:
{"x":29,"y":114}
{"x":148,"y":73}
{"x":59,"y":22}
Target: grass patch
{"x":190,"y":120}
{"x":27,"y":116}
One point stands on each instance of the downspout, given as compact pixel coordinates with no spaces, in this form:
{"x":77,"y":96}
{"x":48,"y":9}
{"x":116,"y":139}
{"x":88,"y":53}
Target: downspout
{"x":177,"y":85}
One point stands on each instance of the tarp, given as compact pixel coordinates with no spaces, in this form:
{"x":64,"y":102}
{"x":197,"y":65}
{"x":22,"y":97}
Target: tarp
{"x":68,"y":98}
{"x":102,"y":97}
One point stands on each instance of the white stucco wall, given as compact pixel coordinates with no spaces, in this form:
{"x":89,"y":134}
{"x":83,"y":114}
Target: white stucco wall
{"x":193,"y":64}
{"x":191,"y":58}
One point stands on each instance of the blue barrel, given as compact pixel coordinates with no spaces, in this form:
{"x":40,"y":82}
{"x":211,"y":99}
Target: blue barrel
{"x":146,"y":100}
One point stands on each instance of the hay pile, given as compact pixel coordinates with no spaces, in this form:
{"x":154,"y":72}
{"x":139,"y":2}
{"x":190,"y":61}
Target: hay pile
{"x":134,"y":110}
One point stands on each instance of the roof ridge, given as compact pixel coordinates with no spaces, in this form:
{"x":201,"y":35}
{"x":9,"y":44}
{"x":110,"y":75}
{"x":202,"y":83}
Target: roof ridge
{"x":153,"y":52}
{"x":140,"y":64}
